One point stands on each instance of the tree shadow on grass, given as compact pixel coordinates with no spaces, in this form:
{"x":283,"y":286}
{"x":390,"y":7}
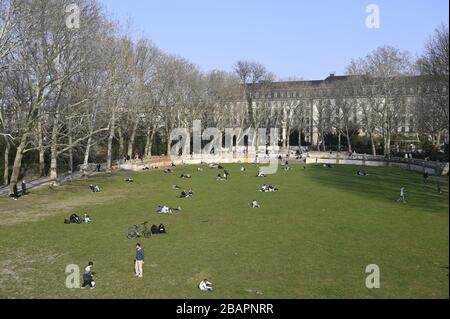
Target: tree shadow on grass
{"x":384,"y":184}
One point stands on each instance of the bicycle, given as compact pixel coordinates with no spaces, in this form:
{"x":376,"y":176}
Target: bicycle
{"x":137,"y":231}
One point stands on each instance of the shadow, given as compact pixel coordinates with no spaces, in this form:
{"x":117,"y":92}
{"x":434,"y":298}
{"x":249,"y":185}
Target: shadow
{"x":384,"y":184}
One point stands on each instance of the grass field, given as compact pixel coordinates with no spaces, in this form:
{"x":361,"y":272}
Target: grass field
{"x":312,"y":239}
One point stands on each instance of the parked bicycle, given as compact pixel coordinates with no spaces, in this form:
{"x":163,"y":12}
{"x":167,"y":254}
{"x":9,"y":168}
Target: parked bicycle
{"x":137,"y":231}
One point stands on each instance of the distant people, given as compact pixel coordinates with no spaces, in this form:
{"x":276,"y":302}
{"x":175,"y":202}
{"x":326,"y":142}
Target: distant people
{"x":426,"y":175}
{"x":205,"y":285}
{"x":167,"y":210}
{"x":185,"y":176}
{"x":242,"y":169}
{"x":402,"y":197}
{"x":187,"y":194}
{"x":146,"y":168}
{"x":254,"y":204}
{"x":168,"y":170}
{"x":15,"y":192}
{"x":173,"y":164}
{"x":129,"y":180}
{"x":24,"y":188}
{"x":361,"y":173}
{"x":94,"y":188}
{"x":260,"y":174}
{"x":88,"y":277}
{"x":439,"y":187}
{"x":263,"y":188}
{"x":287,"y":168}
{"x":99,"y":167}
{"x":327,"y":166}
{"x":226,"y":174}
{"x":176,"y":187}
{"x":139,"y":261}
{"x":220,"y":167}
{"x":219,"y":177}
{"x":199,"y":169}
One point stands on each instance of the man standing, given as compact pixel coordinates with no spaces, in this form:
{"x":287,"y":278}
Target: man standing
{"x":402,"y":197}
{"x":139,"y":260}
{"x":24,"y":188}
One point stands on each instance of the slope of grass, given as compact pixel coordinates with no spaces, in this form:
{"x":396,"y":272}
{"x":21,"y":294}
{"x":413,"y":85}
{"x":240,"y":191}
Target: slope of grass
{"x":312,"y":239}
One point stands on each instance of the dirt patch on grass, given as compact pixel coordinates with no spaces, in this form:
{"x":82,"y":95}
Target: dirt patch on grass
{"x":52,"y":201}
{"x":21,"y":269}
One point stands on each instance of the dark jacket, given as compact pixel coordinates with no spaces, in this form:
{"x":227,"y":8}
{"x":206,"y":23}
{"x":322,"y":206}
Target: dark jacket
{"x":140,"y":254}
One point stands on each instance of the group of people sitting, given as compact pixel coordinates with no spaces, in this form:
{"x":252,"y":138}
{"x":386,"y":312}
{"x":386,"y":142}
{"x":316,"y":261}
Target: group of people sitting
{"x":361,"y":173}
{"x":213,"y":165}
{"x":75,"y":219}
{"x":94,"y":188}
{"x":268,"y":189}
{"x":167,"y":210}
{"x":222,"y":177}
{"x":187,"y":194}
{"x":161,"y":229}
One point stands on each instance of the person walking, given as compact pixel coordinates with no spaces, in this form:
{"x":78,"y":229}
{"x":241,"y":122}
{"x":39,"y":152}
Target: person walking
{"x":139,"y":260}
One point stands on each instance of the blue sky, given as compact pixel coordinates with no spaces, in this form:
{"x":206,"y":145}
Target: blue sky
{"x":300,"y":38}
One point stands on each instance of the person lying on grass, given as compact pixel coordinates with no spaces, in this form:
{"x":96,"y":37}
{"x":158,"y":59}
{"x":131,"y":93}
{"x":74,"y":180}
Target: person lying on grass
{"x":176,"y":187}
{"x":268,"y":189}
{"x":167,"y":210}
{"x":185,"y":194}
{"x":168,"y":170}
{"x":87,"y":218}
{"x":220,"y":178}
{"x":129,"y":180}
{"x":185,"y":176}
{"x":361,"y":173}
{"x":260,"y":175}
{"x":199,"y":169}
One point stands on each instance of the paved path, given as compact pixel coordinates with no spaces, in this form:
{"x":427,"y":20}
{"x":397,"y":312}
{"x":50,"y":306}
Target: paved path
{"x":4,"y":191}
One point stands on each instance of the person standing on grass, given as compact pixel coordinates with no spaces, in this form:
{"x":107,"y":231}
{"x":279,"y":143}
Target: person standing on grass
{"x":402,"y":197}
{"x":24,"y":188}
{"x":15,"y":192}
{"x":139,"y":260}
{"x":439,"y":187}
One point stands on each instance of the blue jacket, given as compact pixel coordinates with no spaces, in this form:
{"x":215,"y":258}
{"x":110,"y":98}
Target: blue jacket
{"x":140,"y":254}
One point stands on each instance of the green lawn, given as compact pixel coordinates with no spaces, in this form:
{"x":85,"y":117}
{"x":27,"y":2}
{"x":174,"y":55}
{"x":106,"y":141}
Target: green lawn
{"x":312,"y":239}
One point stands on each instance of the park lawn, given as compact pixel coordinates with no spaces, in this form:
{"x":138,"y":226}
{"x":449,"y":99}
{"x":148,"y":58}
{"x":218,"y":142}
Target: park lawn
{"x":312,"y":239}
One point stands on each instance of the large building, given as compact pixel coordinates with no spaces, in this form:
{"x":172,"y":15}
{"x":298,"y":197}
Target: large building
{"x":314,"y":96}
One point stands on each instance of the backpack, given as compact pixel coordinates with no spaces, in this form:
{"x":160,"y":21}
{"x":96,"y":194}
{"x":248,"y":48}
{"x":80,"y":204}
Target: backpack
{"x":154,"y":229}
{"x":162,"y":229}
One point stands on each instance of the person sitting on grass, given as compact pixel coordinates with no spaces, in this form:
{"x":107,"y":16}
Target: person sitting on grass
{"x":226,"y":174}
{"x":88,"y":277}
{"x":176,"y":187}
{"x":263,"y":188}
{"x":361,"y":173}
{"x":219,"y":177}
{"x":242,"y":169}
{"x":168,"y":170}
{"x":199,"y":169}
{"x":94,"y":188}
{"x":185,"y":194}
{"x":75,"y":219}
{"x":272,"y":189}
{"x":185,"y":176}
{"x":205,"y":285}
{"x":327,"y":166}
{"x":146,"y":168}
{"x":87,"y":218}
{"x":254,"y":204}
{"x":129,"y":180}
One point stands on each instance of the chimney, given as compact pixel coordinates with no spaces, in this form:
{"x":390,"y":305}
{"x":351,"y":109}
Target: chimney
{"x":332,"y":74}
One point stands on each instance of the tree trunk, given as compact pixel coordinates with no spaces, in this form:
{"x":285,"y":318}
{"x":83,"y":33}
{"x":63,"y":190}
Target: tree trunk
{"x":86,"y":155}
{"x":110,"y":141}
{"x":372,"y":142}
{"x":17,"y":162}
{"x":6,"y":164}
{"x":148,"y":142}
{"x":349,"y":140}
{"x":121,"y":142}
{"x":54,"y":149}
{"x":41,"y":150}
{"x":132,"y":137}
{"x":70,"y":149}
